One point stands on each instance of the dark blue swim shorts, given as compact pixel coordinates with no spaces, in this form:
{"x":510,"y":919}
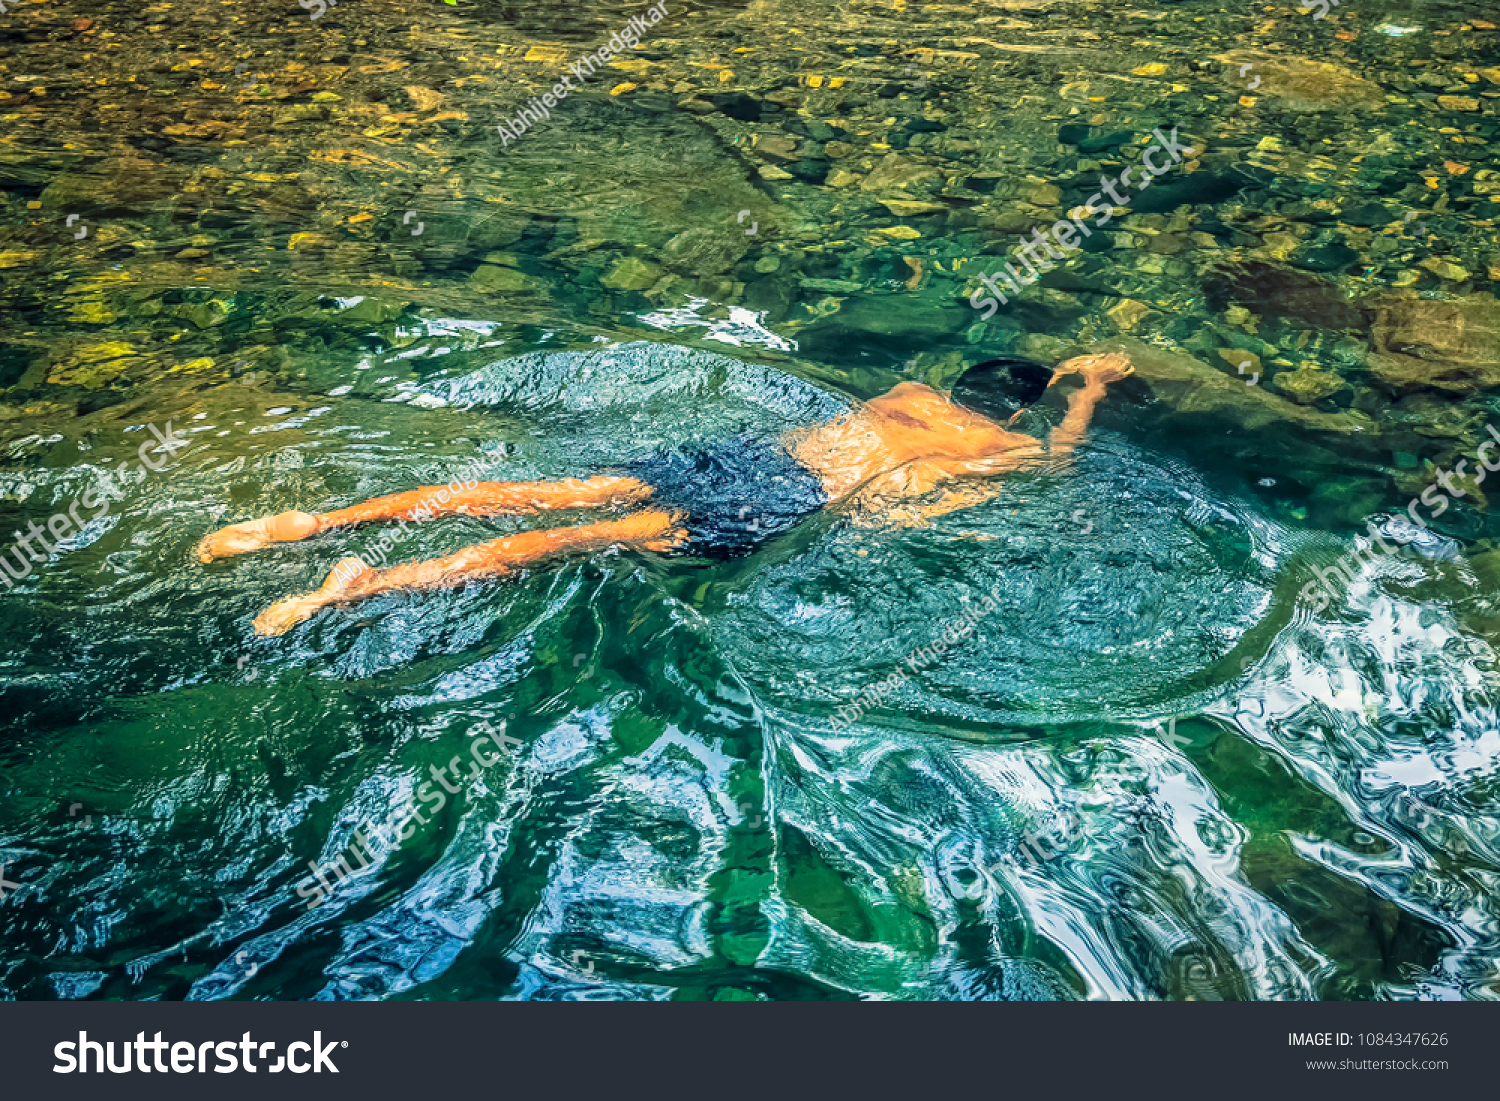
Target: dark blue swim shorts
{"x":736,"y":493}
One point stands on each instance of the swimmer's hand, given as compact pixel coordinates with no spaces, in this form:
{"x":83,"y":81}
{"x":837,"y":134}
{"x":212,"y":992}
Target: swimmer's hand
{"x":1098,"y":370}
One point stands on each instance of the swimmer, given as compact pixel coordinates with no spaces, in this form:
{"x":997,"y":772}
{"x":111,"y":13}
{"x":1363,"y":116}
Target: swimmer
{"x":910,"y":455}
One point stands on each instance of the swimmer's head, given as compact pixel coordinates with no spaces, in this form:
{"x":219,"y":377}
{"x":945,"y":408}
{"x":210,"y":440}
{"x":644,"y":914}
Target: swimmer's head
{"x":1001,"y":388}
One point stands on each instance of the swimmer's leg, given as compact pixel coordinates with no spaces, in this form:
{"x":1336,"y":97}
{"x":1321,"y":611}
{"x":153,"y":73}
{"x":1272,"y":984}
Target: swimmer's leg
{"x":353,"y":580}
{"x":429,"y":502}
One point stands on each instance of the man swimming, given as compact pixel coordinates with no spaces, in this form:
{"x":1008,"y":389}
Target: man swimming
{"x":884,"y":457}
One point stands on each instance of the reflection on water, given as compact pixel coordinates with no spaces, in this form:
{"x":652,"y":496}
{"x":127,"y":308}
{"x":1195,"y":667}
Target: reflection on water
{"x":1144,"y":768}
{"x":1146,"y":773}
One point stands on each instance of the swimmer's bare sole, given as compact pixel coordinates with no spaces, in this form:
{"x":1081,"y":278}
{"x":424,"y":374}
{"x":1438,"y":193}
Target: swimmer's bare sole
{"x":289,"y":611}
{"x":352,"y":580}
{"x":427,"y":503}
{"x":252,"y":535}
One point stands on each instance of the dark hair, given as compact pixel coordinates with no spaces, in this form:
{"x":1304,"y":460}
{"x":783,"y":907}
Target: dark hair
{"x":1000,"y":388}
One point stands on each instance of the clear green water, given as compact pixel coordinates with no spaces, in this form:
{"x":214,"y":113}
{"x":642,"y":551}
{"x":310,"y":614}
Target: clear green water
{"x":1152,"y":771}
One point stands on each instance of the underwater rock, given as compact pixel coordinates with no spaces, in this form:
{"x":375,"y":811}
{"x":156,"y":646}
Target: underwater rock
{"x":1301,"y":84}
{"x":1432,"y":417}
{"x":1331,"y":257}
{"x":815,"y":129}
{"x":492,"y":277}
{"x":631,"y":273}
{"x":298,"y":113}
{"x":1367,"y":214}
{"x":1090,"y":140}
{"x":1008,"y":221}
{"x":205,"y":315}
{"x":492,"y":230}
{"x":1127,"y":314}
{"x":1449,"y":345}
{"x":1278,"y":246}
{"x":907,"y":208}
{"x":1045,"y":195}
{"x":1175,"y":397}
{"x":880,"y":325}
{"x":1209,"y":186}
{"x":93,"y":312}
{"x":773,"y":296}
{"x":779,"y":146}
{"x":1307,"y":385}
{"x":1043,"y":348}
{"x":1445,"y":269}
{"x":811,"y":169}
{"x":120,"y":185}
{"x":375,"y":311}
{"x":95,"y":365}
{"x":830,"y":286}
{"x":1245,"y":362}
{"x":737,"y":105}
{"x":1167,"y":244}
{"x":1301,"y":300}
{"x":896,"y":173}
{"x":15,"y":361}
{"x":704,"y":251}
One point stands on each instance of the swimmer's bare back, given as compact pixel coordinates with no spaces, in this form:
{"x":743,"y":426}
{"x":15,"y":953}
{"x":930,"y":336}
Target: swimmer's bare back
{"x":906,"y":443}
{"x":896,"y":448}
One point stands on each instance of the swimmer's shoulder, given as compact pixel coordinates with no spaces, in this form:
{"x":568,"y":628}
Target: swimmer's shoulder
{"x":920,"y":412}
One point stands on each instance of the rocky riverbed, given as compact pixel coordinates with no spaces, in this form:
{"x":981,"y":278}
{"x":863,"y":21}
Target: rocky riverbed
{"x":194,"y":195}
{"x":286,"y":235}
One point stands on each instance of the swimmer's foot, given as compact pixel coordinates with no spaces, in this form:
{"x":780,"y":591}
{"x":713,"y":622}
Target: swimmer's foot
{"x":353,"y":580}
{"x":674,"y":535}
{"x":254,"y":534}
{"x":346,"y":581}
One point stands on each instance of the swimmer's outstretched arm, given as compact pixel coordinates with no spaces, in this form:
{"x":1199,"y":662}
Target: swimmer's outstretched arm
{"x":1097,"y":372}
{"x":427,"y":503}
{"x":881,"y":501}
{"x":353,"y":580}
